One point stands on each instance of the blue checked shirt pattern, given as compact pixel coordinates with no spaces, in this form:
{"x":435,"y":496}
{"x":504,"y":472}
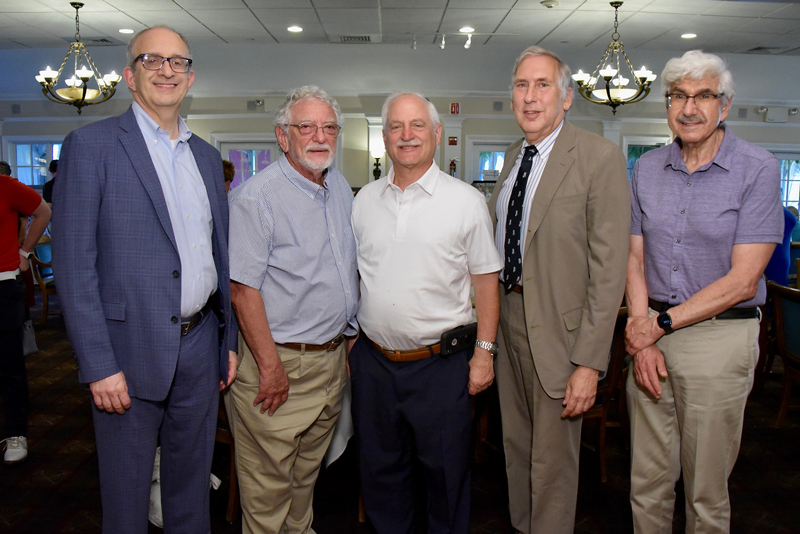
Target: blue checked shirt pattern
{"x":291,"y":239}
{"x":543,"y":149}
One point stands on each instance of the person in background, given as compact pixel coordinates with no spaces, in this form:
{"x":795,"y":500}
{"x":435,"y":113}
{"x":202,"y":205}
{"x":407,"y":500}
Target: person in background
{"x":562,"y":211}
{"x":423,"y":237}
{"x":16,"y":200}
{"x":229,"y":171}
{"x":140,"y":249}
{"x":47,"y":192}
{"x":706,"y":216}
{"x":778,"y":267}
{"x":796,"y":229}
{"x":295,"y":290}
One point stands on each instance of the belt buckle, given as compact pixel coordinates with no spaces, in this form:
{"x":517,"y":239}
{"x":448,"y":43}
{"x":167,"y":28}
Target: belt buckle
{"x":185,"y":327}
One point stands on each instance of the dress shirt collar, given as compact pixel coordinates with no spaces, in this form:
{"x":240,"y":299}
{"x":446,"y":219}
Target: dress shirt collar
{"x":427,"y":182}
{"x":545,"y":146}
{"x":308,"y":188}
{"x":723,"y":158}
{"x":151,"y":130}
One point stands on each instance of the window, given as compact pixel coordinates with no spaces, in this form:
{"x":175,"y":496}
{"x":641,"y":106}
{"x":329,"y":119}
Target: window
{"x":490,"y":163}
{"x":484,"y":157}
{"x":247,"y":159}
{"x":790,"y":182}
{"x":31,"y":161}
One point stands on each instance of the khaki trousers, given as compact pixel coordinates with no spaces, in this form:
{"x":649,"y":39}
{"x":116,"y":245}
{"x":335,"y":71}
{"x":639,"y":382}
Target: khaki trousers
{"x":695,"y":426}
{"x":542,"y":449}
{"x":278,"y":457}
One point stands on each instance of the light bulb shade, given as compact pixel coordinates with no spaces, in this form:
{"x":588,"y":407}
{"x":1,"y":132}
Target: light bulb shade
{"x":377,"y":153}
{"x":608,"y":72}
{"x":580,"y":77}
{"x":83,"y":73}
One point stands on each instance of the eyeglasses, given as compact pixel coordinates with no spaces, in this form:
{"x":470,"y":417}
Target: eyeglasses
{"x":308,"y":129}
{"x":679,"y":100}
{"x":154,"y":62}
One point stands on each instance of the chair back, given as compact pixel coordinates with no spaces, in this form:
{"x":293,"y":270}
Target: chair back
{"x":44,"y":253}
{"x":787,"y":322}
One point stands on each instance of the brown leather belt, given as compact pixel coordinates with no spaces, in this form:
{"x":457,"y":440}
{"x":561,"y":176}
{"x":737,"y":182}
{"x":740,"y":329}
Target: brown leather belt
{"x":405,"y":355}
{"x":188,"y":324}
{"x":333,"y":344}
{"x":516,"y":288}
{"x":750,"y":312}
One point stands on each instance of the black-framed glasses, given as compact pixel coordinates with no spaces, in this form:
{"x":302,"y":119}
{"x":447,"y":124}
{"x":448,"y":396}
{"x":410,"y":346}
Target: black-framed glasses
{"x":307,"y":129}
{"x":700,"y":99}
{"x":154,"y":62}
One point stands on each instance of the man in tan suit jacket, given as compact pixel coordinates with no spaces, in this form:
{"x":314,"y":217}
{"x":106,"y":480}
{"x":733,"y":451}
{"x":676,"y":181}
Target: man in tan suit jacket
{"x":558,"y":312}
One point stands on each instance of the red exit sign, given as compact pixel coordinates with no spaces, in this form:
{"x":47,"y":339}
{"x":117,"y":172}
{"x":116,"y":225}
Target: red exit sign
{"x":455,"y":108}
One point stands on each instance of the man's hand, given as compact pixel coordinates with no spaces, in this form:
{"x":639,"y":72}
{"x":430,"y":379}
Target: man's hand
{"x":581,"y":391}
{"x":641,"y":332}
{"x":233,"y":366}
{"x":273,"y":388}
{"x":481,"y":371}
{"x":24,"y":263}
{"x":648,"y":366}
{"x":111,"y":393}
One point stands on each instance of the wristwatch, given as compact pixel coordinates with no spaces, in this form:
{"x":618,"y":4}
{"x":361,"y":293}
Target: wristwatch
{"x":665,"y":322}
{"x":26,"y":255}
{"x":488,"y":345}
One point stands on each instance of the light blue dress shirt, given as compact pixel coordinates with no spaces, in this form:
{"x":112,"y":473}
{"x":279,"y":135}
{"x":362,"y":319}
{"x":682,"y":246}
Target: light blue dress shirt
{"x":189,"y":210}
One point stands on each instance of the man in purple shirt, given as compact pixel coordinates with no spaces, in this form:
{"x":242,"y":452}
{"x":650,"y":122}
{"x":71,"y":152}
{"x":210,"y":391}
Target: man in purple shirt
{"x":706,"y":216}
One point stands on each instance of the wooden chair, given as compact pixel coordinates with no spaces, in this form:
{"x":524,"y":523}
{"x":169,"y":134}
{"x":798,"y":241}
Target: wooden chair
{"x":225,"y":436}
{"x":611,"y":394}
{"x":42,"y":267}
{"x":787,"y":333}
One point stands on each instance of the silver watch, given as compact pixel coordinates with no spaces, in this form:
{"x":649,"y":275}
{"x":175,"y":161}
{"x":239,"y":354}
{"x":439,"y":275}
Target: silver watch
{"x":488,"y":345}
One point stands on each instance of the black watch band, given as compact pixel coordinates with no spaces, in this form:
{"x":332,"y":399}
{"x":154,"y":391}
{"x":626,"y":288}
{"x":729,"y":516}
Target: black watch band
{"x":664,"y":321}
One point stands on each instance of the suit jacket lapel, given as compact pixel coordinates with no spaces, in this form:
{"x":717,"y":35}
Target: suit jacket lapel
{"x":559,"y":162}
{"x":133,"y":141}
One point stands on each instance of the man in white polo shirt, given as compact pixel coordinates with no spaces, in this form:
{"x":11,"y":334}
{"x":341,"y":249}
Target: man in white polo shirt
{"x":422,"y":238}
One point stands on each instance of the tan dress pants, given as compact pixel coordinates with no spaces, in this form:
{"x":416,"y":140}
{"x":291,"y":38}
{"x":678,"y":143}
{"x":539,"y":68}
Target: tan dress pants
{"x":696,"y":425}
{"x":542,"y":449}
{"x":278,"y":457}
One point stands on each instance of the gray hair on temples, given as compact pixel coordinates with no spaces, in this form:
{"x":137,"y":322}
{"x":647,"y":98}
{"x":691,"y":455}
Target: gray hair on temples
{"x":132,"y":43}
{"x":564,"y":74}
{"x":282,"y":116}
{"x":434,"y":115}
{"x":696,"y":65}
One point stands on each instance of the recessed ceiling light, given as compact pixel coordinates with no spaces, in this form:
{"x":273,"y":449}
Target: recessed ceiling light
{"x":467,"y":29}
{"x":294,"y":29}
{"x":125,"y":30}
{"x":688,"y":36}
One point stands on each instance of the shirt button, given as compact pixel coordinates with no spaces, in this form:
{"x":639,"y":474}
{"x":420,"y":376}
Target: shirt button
{"x":678,"y":240}
{"x":174,"y":319}
{"x":673,"y":296}
{"x":194,"y":245}
{"x":688,"y":184}
{"x":683,"y":211}
{"x":674,"y":268}
{"x":175,"y":274}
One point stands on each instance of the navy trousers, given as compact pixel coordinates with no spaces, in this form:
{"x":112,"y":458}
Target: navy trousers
{"x":405,"y":410}
{"x":13,"y":377}
{"x":186,"y":421}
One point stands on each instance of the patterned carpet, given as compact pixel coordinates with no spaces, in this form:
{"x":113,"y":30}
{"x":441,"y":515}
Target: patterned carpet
{"x":56,"y":490}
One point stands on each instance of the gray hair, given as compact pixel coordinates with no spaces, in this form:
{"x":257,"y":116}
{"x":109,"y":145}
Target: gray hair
{"x":5,"y":168}
{"x":564,"y":74}
{"x":282,"y":116}
{"x":696,"y":65}
{"x":132,"y":43}
{"x":434,"y":115}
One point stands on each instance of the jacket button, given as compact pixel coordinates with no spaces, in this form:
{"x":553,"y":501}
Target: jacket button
{"x":175,"y":274}
{"x":174,"y":319}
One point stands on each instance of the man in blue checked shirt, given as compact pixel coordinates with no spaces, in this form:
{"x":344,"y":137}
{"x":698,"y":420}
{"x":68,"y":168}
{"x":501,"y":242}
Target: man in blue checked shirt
{"x":294,"y":286}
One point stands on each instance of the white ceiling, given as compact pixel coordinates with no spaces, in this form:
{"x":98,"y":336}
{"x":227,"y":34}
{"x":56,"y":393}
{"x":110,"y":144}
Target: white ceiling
{"x":725,"y":26}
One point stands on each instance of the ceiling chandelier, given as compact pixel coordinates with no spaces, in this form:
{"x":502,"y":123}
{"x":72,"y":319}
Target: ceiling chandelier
{"x":77,"y":92}
{"x":616,"y":92}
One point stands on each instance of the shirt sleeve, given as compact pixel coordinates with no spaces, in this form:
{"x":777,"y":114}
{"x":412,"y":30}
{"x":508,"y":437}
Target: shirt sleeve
{"x":761,"y":212}
{"x":251,"y":230}
{"x":482,"y":256}
{"x":636,"y":209}
{"x":24,"y":199}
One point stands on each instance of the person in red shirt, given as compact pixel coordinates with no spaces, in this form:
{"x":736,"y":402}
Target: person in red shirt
{"x":16,"y":200}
